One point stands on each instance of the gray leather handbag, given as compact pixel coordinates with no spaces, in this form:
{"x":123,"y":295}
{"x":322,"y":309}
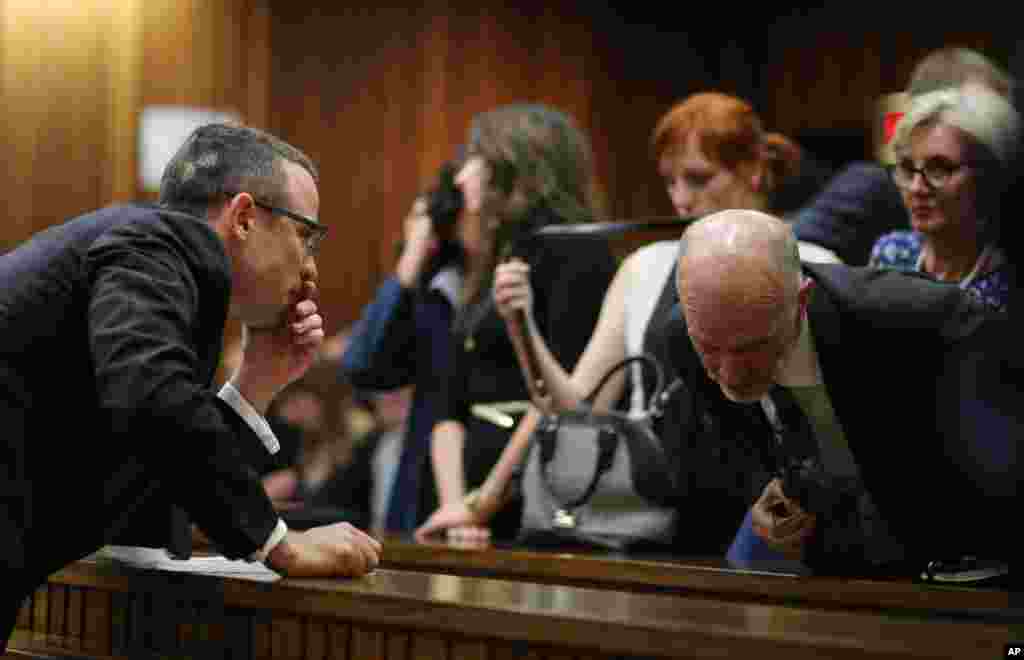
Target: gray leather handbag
{"x":601,"y":478}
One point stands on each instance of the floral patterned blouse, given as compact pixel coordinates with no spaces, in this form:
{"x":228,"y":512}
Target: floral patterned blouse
{"x":901,"y":250}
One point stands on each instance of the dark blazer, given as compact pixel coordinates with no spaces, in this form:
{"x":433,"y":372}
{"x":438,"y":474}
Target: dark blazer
{"x":885,"y":343}
{"x":980,"y":422}
{"x":858,"y":205}
{"x":112,"y":327}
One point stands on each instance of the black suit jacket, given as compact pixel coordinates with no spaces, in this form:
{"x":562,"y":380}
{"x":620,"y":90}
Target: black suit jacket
{"x":859,"y":204}
{"x":888,"y":345}
{"x":112,"y":327}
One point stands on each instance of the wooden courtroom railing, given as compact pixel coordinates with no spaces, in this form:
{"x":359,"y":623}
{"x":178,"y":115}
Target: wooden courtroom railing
{"x":782,"y":582}
{"x":101,"y":609}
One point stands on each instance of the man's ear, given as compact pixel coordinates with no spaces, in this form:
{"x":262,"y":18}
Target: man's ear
{"x":760,"y":177}
{"x":803,"y":296}
{"x":757,"y":180}
{"x":238,"y":216}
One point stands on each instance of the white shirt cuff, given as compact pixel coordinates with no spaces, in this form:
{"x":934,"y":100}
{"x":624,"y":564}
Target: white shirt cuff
{"x":256,"y":421}
{"x":275,"y":537}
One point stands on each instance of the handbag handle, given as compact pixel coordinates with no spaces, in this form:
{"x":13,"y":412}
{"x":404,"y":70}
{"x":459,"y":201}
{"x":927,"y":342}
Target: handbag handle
{"x":646,"y":359}
{"x":606,"y":442}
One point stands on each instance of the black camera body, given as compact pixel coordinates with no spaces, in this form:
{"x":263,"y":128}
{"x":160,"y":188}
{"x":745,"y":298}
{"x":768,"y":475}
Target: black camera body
{"x":444,"y":206}
{"x":445,"y":203}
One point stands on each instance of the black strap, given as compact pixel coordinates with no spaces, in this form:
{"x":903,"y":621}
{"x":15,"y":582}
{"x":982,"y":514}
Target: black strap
{"x":608,"y":433}
{"x":607,"y":441}
{"x":644,"y":358}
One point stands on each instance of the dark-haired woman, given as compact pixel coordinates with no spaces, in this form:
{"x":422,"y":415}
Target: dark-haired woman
{"x":528,"y":166}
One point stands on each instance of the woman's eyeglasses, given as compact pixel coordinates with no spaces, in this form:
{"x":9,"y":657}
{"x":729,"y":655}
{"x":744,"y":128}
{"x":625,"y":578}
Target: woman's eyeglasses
{"x":936,"y":173}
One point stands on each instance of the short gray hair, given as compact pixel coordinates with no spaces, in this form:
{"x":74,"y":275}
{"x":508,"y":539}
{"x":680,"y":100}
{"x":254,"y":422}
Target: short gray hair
{"x":220,"y":158}
{"x":986,"y":116}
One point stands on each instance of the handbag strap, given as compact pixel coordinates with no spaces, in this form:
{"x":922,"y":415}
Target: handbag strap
{"x":646,"y":360}
{"x":607,"y":441}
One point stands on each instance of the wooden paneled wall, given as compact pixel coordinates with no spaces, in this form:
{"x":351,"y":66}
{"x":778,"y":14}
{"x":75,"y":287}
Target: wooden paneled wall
{"x":60,"y":68}
{"x":380,"y":96}
{"x":822,"y":70}
{"x":74,"y":75}
{"x":209,"y":54}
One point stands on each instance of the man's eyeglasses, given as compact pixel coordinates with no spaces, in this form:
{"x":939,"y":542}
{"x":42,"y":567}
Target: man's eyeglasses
{"x":936,"y":173}
{"x":317,"y":232}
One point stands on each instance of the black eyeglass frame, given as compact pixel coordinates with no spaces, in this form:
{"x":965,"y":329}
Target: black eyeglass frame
{"x":948,"y":173}
{"x":312,"y":241}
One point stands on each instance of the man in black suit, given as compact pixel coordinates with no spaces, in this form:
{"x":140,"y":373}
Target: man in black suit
{"x":872,"y":361}
{"x":112,"y":327}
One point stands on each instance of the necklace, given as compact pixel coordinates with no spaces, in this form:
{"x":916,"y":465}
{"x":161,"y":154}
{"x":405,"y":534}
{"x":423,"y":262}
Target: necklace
{"x":990,"y":259}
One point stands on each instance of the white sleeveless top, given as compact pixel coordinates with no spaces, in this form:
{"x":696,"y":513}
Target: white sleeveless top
{"x":649,"y":269}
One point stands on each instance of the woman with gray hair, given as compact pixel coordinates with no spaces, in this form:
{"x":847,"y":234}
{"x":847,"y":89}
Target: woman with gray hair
{"x":954,"y":151}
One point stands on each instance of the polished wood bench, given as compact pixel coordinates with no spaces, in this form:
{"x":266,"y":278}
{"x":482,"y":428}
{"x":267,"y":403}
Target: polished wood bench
{"x":779,"y":582}
{"x":107,"y":610}
{"x":41,"y":652}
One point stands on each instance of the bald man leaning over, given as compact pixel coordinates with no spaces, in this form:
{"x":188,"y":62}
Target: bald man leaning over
{"x":859,"y":353}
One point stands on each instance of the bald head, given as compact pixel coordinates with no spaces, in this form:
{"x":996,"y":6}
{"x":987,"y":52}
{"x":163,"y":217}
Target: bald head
{"x":739,"y":244}
{"x":739,"y":284}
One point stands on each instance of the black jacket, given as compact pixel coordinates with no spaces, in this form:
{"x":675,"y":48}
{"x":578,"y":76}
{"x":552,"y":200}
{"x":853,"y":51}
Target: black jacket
{"x":112,"y":327}
{"x":889,"y":344}
{"x":858,"y":205}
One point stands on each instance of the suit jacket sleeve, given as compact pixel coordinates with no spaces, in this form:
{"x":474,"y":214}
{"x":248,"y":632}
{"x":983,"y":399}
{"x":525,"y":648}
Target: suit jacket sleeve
{"x":381,"y":353}
{"x":857,"y":206}
{"x":145,"y":314}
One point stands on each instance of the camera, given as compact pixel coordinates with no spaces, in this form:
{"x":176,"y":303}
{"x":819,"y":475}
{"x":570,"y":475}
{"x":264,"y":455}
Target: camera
{"x":445,"y":203}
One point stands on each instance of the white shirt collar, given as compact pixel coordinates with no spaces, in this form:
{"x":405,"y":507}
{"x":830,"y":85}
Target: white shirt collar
{"x":448,"y":282}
